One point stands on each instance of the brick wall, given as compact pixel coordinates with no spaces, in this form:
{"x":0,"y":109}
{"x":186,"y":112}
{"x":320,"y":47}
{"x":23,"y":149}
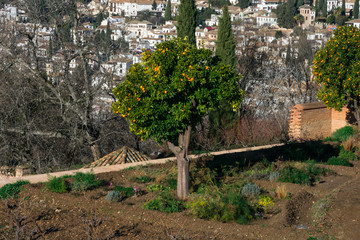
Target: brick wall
{"x":315,"y":121}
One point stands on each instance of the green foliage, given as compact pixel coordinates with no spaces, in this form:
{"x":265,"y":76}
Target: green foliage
{"x":154,"y":5}
{"x":219,"y":3}
{"x":186,"y":21}
{"x":164,"y":202}
{"x":278,"y":34}
{"x":11,"y":190}
{"x":339,"y":161}
{"x":243,"y":4}
{"x":250,"y":189}
{"x":331,"y":19}
{"x":225,"y":43}
{"x":225,"y":205}
{"x":144,"y":179}
{"x":356,"y":9}
{"x":341,"y":134}
{"x":171,"y":183}
{"x":286,"y":13}
{"x":348,"y":155}
{"x":168,"y":11}
{"x":336,"y":69}
{"x":85,"y":181}
{"x":156,"y":187}
{"x":114,"y":196}
{"x":203,"y":14}
{"x":125,"y":191}
{"x":293,"y":175}
{"x":305,"y":176}
{"x":183,"y":82}
{"x":57,"y":184}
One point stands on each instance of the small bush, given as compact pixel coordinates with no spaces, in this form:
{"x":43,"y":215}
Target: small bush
{"x":348,"y":155}
{"x":342,"y":134}
{"x":85,"y":181}
{"x":126,"y":191}
{"x":339,"y":161}
{"x":143,"y":179}
{"x":164,"y":202}
{"x":265,"y":202}
{"x":274,"y":176}
{"x":57,"y":184}
{"x":250,"y":189}
{"x":156,"y":188}
{"x":294,"y":175}
{"x":115,"y":196}
{"x":11,"y":190}
{"x":223,"y":205}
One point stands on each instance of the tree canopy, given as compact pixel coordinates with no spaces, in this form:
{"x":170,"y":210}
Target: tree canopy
{"x":171,"y":90}
{"x":336,"y":69}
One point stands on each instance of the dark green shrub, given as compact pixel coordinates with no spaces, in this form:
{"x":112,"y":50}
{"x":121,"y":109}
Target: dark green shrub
{"x":126,"y":191}
{"x":164,"y":202}
{"x":250,"y":189}
{"x":11,"y":190}
{"x":115,"y":196}
{"x":339,"y":161}
{"x":85,"y":181}
{"x":342,"y":134}
{"x":223,"y":205}
{"x":293,"y":175}
{"x":348,"y":155}
{"x":57,"y":184}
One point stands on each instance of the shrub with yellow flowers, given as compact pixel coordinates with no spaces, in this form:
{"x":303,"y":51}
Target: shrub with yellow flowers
{"x":336,"y":68}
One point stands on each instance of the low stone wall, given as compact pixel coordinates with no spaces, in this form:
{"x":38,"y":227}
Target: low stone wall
{"x":315,"y":121}
{"x":10,"y":172}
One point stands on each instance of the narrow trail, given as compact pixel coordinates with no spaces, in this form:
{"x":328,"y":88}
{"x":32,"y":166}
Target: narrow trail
{"x":113,"y":168}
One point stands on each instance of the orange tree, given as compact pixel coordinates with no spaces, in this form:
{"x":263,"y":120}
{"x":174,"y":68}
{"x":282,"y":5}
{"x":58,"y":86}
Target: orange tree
{"x":167,"y":95}
{"x":336,"y":69}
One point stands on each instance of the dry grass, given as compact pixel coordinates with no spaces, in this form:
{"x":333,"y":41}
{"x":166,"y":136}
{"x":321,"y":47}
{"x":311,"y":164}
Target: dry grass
{"x":350,"y":143}
{"x":281,"y":191}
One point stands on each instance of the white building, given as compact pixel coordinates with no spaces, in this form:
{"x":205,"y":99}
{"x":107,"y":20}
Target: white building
{"x":268,"y":19}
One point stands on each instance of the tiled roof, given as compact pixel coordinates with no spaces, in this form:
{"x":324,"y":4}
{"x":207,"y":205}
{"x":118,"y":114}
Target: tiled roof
{"x":123,"y":155}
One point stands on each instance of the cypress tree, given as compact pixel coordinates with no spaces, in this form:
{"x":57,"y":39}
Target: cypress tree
{"x":225,"y":44}
{"x":168,"y":11}
{"x":356,"y":9}
{"x":324,"y":9}
{"x":343,"y":9}
{"x":187,"y":20}
{"x":154,"y":5}
{"x":290,"y":13}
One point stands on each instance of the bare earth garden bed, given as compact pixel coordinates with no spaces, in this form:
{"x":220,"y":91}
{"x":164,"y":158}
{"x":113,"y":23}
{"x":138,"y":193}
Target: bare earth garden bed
{"x":327,"y":208}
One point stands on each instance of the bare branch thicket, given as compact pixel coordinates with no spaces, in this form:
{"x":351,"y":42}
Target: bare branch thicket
{"x":55,"y":108}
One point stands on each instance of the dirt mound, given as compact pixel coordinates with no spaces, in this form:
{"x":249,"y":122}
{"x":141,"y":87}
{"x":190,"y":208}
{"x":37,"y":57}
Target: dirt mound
{"x":296,"y":210}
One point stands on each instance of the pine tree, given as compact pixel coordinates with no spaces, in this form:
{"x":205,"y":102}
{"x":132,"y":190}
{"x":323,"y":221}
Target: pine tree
{"x":225,"y":44}
{"x":187,"y":20}
{"x":356,"y":9}
{"x":168,"y":11}
{"x":154,"y":5}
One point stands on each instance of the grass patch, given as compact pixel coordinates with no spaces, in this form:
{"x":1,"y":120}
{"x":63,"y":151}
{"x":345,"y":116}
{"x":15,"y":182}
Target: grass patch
{"x":339,"y":161}
{"x":11,"y":190}
{"x":85,"y":181}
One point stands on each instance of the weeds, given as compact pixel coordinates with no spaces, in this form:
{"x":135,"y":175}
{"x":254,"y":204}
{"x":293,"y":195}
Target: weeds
{"x":85,"y":181}
{"x":221,"y":204}
{"x":57,"y":184}
{"x":11,"y":190}
{"x":164,"y":202}
{"x":126,"y":191}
